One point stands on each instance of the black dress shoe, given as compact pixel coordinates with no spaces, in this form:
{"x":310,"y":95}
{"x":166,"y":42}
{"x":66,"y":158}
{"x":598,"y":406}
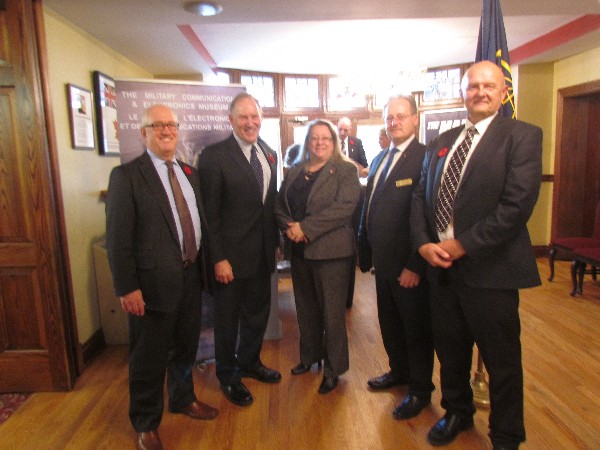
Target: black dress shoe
{"x":237,"y":393}
{"x":262,"y":373}
{"x":447,"y":428}
{"x":385,"y":381}
{"x":506,"y":446}
{"x":411,"y":406}
{"x":301,"y":368}
{"x":328,"y":384}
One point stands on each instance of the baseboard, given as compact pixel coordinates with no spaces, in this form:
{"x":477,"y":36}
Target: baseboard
{"x":92,"y":347}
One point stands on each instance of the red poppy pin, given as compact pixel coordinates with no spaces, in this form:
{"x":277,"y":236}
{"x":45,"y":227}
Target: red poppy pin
{"x":350,"y":141}
{"x":443,"y":152}
{"x":271,"y":159}
{"x":187,"y":170}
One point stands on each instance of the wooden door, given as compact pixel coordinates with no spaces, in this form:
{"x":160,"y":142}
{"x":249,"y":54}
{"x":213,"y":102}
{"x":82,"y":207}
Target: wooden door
{"x":577,"y":163}
{"x":37,"y":337}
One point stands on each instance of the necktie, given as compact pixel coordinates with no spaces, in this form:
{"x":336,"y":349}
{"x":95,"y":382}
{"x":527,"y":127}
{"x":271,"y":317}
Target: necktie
{"x":187,"y":226}
{"x":257,"y":167}
{"x":447,"y":192}
{"x":380,"y":183}
{"x":344,"y":147}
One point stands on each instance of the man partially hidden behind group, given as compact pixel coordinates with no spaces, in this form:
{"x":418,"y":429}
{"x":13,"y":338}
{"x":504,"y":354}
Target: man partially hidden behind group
{"x":238,"y":178}
{"x":468,"y":219}
{"x":384,"y":242}
{"x":154,"y":226}
{"x":352,"y":147}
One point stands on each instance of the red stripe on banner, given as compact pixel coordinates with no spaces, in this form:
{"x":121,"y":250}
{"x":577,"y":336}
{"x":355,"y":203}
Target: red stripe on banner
{"x":562,"y":35}
{"x":193,"y":39}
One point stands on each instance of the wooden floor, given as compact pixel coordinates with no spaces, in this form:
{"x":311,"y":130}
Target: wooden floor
{"x":561,"y":358}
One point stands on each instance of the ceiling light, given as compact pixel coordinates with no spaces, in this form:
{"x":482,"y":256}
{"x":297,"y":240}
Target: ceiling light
{"x":203,"y":8}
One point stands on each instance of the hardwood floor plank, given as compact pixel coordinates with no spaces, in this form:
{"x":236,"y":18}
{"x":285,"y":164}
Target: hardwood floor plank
{"x":561,"y":359}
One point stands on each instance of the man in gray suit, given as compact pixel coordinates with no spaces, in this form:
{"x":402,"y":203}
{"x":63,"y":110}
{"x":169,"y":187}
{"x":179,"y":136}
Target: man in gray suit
{"x":384,"y":242}
{"x":154,"y":226}
{"x":468,"y":219}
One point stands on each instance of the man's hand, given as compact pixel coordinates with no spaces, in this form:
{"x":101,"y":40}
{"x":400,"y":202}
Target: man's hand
{"x":409,"y":279}
{"x":133,"y":303}
{"x":453,"y":248}
{"x":435,"y":255}
{"x":223,"y":272}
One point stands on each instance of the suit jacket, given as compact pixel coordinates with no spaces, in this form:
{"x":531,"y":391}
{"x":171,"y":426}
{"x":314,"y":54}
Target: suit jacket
{"x":331,"y":202}
{"x":356,"y":152}
{"x":244,"y":227}
{"x":390,"y":249}
{"x":498,"y":190}
{"x":141,"y":236}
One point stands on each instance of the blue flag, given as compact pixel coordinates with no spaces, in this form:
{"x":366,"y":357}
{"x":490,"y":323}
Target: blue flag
{"x":492,"y":46}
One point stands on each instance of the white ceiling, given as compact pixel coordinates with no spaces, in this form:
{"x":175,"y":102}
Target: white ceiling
{"x":316,"y":36}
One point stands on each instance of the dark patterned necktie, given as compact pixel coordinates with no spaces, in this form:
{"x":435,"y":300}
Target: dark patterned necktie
{"x":379,"y":186}
{"x":383,"y":175}
{"x":447,"y":192}
{"x":344,"y":147}
{"x":185,"y":218}
{"x":257,"y":167}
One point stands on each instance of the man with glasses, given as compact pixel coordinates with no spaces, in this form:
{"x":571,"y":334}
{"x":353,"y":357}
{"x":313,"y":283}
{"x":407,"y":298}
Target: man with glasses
{"x":384,"y":242}
{"x":155,"y":224}
{"x":238,"y":177}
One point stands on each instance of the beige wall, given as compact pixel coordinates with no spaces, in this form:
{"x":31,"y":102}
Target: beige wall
{"x":73,"y":55}
{"x":535,"y":106}
{"x":538,"y":86}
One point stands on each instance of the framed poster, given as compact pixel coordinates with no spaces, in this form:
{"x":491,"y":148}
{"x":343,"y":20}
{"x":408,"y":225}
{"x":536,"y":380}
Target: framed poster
{"x":106,"y":114}
{"x":81,"y":117}
{"x":435,"y":122}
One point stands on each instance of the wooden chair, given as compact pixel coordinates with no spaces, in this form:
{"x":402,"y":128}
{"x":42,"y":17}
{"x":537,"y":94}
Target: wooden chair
{"x":570,"y":243}
{"x":581,"y":257}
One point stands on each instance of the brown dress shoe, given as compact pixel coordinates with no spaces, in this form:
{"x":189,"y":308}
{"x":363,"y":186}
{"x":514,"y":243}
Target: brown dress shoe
{"x":197,"y":410}
{"x":148,"y":440}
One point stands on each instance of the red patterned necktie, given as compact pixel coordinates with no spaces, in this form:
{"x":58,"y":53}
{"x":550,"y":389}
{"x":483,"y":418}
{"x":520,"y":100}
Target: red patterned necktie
{"x":187,"y":225}
{"x":447,"y":192}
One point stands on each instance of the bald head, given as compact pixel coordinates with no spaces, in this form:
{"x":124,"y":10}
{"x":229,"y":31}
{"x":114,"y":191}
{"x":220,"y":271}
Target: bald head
{"x":344,"y":127}
{"x":483,"y":88}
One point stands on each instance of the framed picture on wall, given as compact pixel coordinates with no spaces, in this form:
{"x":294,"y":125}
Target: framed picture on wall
{"x":106,"y":114}
{"x":81,"y":118}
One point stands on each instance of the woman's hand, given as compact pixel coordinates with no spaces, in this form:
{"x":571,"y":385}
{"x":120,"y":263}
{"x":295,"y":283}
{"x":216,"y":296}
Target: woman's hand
{"x":295,"y":233}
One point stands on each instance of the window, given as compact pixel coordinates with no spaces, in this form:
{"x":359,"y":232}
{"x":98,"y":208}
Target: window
{"x":301,"y":92}
{"x":442,"y":85}
{"x":344,"y":95}
{"x":262,"y":88}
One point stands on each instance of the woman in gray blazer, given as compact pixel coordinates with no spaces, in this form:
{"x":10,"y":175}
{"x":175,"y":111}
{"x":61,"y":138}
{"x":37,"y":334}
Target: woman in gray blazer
{"x":314,"y":210}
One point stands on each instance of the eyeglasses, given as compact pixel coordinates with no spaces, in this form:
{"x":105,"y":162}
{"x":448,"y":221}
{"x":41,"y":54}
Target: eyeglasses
{"x":159,"y":126}
{"x":397,"y":118}
{"x":315,"y":139}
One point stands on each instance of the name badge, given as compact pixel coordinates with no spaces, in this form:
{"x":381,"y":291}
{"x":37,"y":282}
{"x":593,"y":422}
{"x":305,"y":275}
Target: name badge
{"x":405,"y":182}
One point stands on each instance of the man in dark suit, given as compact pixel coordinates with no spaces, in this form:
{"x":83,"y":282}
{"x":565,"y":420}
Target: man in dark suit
{"x":475,"y":239}
{"x":384,"y":242}
{"x":238,"y":177}
{"x":154,"y":225}
{"x":352,"y":147}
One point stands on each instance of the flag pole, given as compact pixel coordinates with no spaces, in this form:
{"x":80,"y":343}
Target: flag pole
{"x":492,"y":46}
{"x":479,"y":384}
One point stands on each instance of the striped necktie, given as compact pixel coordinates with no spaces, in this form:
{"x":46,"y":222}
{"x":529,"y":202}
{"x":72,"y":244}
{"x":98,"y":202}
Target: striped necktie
{"x":450,"y":181}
